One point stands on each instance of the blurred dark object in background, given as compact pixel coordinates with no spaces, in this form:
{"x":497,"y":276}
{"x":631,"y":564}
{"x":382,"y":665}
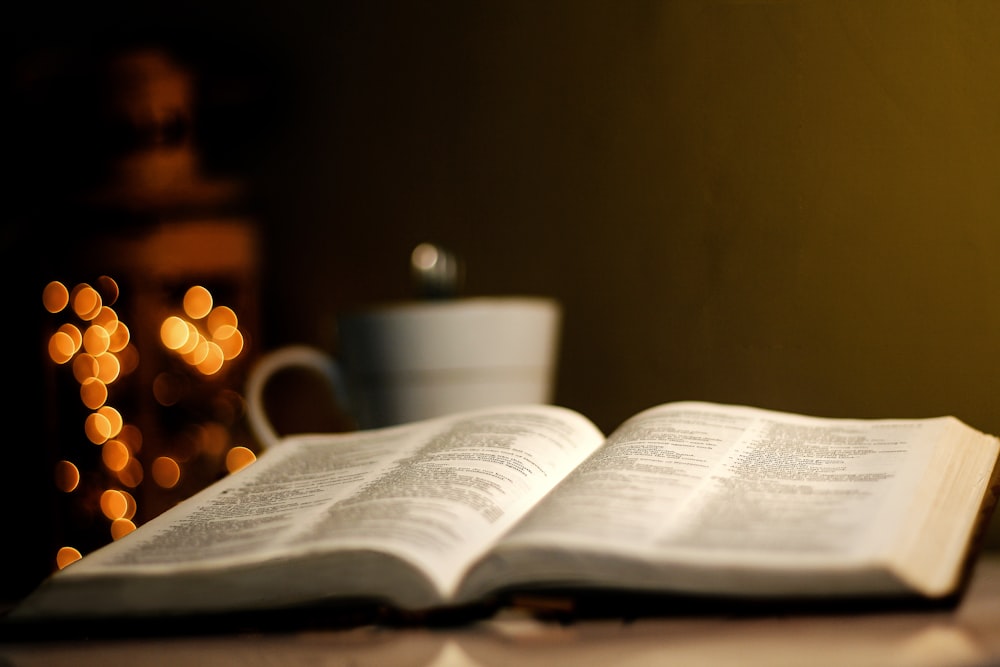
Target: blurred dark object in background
{"x":131,"y":137}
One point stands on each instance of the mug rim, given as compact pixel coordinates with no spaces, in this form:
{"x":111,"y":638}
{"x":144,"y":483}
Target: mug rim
{"x":402,"y":306}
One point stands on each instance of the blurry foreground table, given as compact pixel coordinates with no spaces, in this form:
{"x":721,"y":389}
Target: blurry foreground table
{"x":967,"y":635}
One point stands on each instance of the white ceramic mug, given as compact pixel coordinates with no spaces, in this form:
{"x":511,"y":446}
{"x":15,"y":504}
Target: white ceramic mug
{"x":414,"y":360}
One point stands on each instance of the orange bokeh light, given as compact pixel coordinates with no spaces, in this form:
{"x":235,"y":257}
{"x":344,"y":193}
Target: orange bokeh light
{"x":197,"y":354}
{"x":108,"y":288}
{"x":97,"y":428}
{"x":222,"y":316}
{"x":55,"y":297}
{"x":74,"y":333}
{"x":86,"y":302}
{"x":107,"y":318}
{"x":231,"y":342}
{"x":113,"y":504}
{"x":93,"y":393}
{"x":67,"y":476}
{"x":85,"y":367}
{"x":166,"y":472}
{"x":213,"y":360}
{"x":119,"y":338}
{"x":132,"y":474}
{"x":174,"y":333}
{"x":194,"y":339}
{"x":114,"y":418}
{"x":109,"y":368}
{"x":238,"y":458}
{"x":67,"y":555}
{"x":115,"y":455}
{"x":121,"y":527}
{"x":96,"y":340}
{"x":197,"y":302}
{"x":61,"y":347}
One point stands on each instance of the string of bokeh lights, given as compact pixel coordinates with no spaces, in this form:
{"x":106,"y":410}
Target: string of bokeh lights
{"x":96,"y":345}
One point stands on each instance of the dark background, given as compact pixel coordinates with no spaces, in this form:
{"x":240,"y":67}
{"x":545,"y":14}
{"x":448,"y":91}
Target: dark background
{"x":788,"y":204}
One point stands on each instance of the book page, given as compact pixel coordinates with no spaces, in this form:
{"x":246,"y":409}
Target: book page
{"x":720,"y":486}
{"x":256,"y":513}
{"x":435,"y":493}
{"x":953,"y":501}
{"x":467,"y":483}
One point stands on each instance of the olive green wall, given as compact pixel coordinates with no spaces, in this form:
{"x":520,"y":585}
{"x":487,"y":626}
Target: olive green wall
{"x":789,"y":204}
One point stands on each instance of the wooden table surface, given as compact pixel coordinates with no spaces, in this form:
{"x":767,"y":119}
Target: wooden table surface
{"x":966,"y":635}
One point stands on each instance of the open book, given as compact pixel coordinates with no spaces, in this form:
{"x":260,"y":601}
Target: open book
{"x":686,"y":499}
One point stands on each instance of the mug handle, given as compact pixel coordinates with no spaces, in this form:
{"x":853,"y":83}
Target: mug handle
{"x":291,"y":356}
